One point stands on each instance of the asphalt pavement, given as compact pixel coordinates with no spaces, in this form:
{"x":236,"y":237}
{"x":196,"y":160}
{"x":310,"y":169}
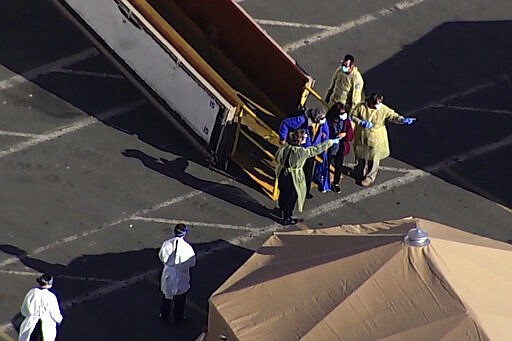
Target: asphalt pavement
{"x":94,"y":178}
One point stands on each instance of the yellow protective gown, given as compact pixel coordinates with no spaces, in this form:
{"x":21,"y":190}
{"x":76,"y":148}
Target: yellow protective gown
{"x":298,"y":156}
{"x":346,"y":88}
{"x":372,"y":144}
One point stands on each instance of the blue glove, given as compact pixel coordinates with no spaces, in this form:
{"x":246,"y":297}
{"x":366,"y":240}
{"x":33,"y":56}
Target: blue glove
{"x":335,"y":141}
{"x":409,"y":120}
{"x":365,"y":124}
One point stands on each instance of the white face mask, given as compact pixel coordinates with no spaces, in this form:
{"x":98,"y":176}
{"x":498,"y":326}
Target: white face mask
{"x":378,"y":106}
{"x":304,"y":139}
{"x":343,"y":117}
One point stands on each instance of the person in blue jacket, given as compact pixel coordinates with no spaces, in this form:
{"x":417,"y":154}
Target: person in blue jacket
{"x":317,"y":131}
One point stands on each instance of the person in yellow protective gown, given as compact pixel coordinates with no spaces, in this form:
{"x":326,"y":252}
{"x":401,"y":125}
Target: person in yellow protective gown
{"x":371,"y":137}
{"x":290,"y":159}
{"x":346,"y":85}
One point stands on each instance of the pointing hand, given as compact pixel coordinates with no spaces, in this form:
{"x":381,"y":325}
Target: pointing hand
{"x":408,"y":120}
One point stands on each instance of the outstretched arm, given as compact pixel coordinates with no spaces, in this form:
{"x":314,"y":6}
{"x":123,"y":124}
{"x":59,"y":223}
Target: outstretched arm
{"x":319,"y":148}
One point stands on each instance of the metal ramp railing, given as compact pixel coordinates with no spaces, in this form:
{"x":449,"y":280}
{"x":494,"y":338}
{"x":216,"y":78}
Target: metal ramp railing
{"x":256,"y":141}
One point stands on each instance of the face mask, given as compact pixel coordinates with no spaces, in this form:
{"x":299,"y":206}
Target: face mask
{"x":345,"y":69}
{"x":343,"y":117}
{"x":378,"y":106}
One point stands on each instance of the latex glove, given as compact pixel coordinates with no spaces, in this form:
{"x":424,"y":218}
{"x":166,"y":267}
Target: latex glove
{"x":365,"y":124}
{"x":335,"y":141}
{"x":409,"y":120}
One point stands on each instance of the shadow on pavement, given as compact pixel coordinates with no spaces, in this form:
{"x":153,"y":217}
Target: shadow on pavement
{"x":176,"y":169}
{"x":105,"y":297}
{"x":464,"y":69}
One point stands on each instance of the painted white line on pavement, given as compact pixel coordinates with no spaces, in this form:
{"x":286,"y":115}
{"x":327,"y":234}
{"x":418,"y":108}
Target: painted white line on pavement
{"x":84,"y":234}
{"x":90,"y":74}
{"x":175,"y":200}
{"x":63,"y":130}
{"x":459,"y":94}
{"x":369,"y":192}
{"x":325,"y":208}
{"x":454,"y":160}
{"x":395,"y":169}
{"x":328,"y":33}
{"x":292,"y":24}
{"x":353,"y":198}
{"x":114,"y":286}
{"x":194,"y":223}
{"x":45,"y":69}
{"x":484,"y":110}
{"x":17,"y":134}
{"x":385,"y":168}
{"x":472,"y":187}
{"x":71,"y":277}
{"x":364,"y":19}
{"x":240,"y":240}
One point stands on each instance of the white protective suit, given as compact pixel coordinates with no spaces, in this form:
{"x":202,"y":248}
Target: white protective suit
{"x":40,"y":304}
{"x":178,"y":257}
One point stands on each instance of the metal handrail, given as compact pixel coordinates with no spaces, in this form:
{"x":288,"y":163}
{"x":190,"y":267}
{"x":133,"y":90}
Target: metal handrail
{"x":246,"y":110}
{"x":259,"y":120}
{"x":316,"y":95}
{"x":265,"y":111}
{"x":257,"y":144}
{"x":237,"y":131}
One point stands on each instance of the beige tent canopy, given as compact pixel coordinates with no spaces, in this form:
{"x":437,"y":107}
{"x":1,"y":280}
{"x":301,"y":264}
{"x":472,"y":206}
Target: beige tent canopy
{"x":363,"y":282}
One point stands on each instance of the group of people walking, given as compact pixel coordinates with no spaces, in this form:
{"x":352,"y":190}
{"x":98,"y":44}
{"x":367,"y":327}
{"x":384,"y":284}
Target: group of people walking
{"x":350,"y":118}
{"x":313,"y":132}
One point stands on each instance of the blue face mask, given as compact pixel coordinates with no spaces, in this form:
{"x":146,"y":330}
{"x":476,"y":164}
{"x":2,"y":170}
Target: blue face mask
{"x":345,"y":69}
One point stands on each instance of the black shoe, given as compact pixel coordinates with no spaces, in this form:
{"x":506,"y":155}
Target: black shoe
{"x":336,"y":188}
{"x":164,"y":320}
{"x":297,"y":220}
{"x":309,"y":195}
{"x":180,"y":320}
{"x":289,"y":221}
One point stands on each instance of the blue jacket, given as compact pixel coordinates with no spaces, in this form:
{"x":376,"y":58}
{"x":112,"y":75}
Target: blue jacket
{"x":302,"y":122}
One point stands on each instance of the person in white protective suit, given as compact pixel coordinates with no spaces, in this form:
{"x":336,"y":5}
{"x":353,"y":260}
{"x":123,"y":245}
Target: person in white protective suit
{"x":177,"y":257}
{"x":41,"y":311}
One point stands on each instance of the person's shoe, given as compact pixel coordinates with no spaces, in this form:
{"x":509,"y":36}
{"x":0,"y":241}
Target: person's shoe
{"x":366,"y":182}
{"x":309,"y":195}
{"x":180,"y":320}
{"x":336,"y":188}
{"x":289,"y":221}
{"x":164,"y":320}
{"x":297,"y":220}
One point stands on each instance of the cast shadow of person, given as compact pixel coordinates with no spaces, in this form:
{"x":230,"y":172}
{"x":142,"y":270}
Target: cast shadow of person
{"x":176,"y":169}
{"x":116,"y":295}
